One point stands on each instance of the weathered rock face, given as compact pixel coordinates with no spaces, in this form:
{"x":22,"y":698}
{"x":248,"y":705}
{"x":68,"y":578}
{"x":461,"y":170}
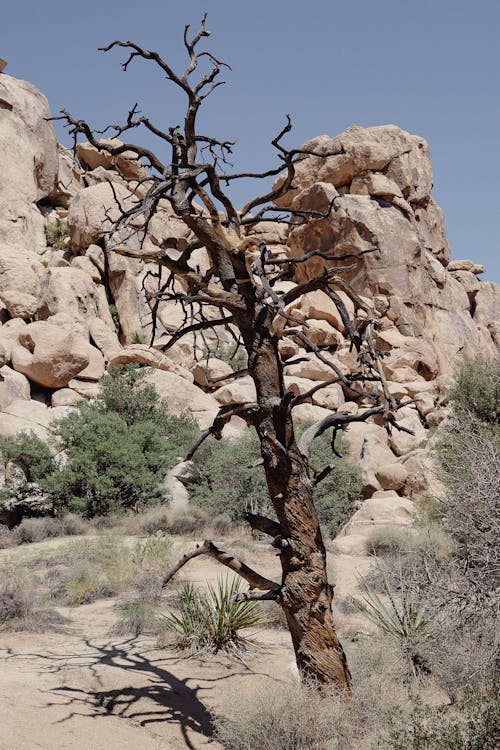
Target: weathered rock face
{"x":27,"y":142}
{"x":380,"y":186}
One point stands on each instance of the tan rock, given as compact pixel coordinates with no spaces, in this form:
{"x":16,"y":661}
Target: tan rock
{"x":105,"y":338}
{"x":85,"y":264}
{"x":85,"y":388}
{"x":13,"y":387}
{"x":205,"y":372}
{"x":65,"y":397}
{"x":142,"y":354}
{"x":28,"y":141}
{"x":24,"y":416}
{"x":70,"y":291}
{"x":239,"y":391}
{"x":375,"y":183}
{"x":392,"y":476}
{"x":460,"y":265}
{"x":19,"y":304}
{"x":181,"y":396}
{"x":96,"y":366}
{"x":309,"y":413}
{"x":402,"y":442}
{"x":384,"y":508}
{"x":48,"y":355}
{"x":92,"y":210}
{"x":126,"y":162}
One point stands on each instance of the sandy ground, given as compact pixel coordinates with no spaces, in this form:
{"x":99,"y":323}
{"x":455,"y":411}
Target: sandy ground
{"x":83,"y":688}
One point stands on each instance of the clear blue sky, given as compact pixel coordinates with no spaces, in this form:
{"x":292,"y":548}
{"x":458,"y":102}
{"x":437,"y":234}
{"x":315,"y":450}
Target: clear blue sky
{"x":429,"y":66}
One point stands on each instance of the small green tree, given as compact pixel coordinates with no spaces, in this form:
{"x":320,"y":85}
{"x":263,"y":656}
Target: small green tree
{"x":29,"y":453}
{"x":118,"y":448}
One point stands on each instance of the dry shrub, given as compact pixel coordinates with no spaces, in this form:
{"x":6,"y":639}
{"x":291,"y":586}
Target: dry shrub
{"x":189,"y":522}
{"x":74,"y":525}
{"x":17,"y":598}
{"x":155,"y":519}
{"x":7,"y":539}
{"x":290,"y":716}
{"x":139,"y":609}
{"x":277,"y":717}
{"x":89,"y":570}
{"x":36,"y":530}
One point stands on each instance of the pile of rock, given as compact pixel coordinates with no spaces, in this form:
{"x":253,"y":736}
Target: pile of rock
{"x":70,"y":306}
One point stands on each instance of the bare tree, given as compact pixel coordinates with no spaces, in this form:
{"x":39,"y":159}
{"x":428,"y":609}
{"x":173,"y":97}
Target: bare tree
{"x":242,"y":286}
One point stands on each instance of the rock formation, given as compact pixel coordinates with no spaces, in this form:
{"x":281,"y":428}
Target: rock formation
{"x":70,"y":306}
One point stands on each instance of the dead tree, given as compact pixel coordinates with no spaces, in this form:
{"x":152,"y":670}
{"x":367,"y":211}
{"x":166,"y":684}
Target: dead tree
{"x":242,"y":286}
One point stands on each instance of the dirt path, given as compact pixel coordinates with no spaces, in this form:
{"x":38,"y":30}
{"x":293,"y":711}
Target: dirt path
{"x":86,"y":689}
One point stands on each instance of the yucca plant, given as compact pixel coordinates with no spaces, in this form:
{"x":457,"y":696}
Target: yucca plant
{"x":403,"y":618}
{"x":212,"y":621}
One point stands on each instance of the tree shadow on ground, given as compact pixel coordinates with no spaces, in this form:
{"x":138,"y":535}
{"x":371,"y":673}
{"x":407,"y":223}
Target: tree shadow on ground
{"x":166,"y":698}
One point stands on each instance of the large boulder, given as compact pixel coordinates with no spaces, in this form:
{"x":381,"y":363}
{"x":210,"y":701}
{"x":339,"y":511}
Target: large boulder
{"x":28,"y":143}
{"x":182,"y":397}
{"x":49,"y":355}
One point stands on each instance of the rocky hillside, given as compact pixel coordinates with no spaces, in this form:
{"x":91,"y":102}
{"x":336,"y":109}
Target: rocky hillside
{"x":70,"y":307}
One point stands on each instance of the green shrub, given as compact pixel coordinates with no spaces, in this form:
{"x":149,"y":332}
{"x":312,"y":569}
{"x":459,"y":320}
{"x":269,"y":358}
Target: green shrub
{"x":29,"y":453}
{"x":211,"y":622}
{"x":336,"y":495}
{"x":55,"y":233}
{"x":118,"y":448}
{"x":233,"y":484}
{"x":477,"y":390}
{"x":471,"y":726}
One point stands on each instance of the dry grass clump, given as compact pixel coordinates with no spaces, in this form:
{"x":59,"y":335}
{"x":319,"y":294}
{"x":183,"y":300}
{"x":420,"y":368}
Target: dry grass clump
{"x":291,"y":716}
{"x":38,"y":529}
{"x":20,"y":608}
{"x":139,"y":609}
{"x":89,"y":570}
{"x":17,"y":598}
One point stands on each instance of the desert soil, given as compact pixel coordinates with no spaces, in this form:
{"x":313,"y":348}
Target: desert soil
{"x":83,"y":688}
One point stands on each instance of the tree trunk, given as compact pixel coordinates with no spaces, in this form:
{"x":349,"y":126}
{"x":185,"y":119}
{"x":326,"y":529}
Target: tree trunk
{"x":306,"y":596}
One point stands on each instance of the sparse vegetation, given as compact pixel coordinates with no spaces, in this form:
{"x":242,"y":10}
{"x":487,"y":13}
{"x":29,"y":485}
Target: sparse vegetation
{"x":472,"y":726}
{"x":212,"y":621}
{"x":56,"y":233}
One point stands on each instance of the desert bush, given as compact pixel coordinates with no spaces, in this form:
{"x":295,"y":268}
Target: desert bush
{"x":118,"y":448}
{"x":188,"y":522}
{"x":7,"y":539}
{"x":56,"y":233}
{"x":234,"y":483}
{"x":30,"y":454}
{"x":17,"y":598}
{"x":211,"y":621}
{"x":150,"y":521}
{"x":403,"y":618}
{"x":473,"y":726}
{"x":88,"y":570}
{"x":288,"y":717}
{"x":73,"y":525}
{"x":137,"y":616}
{"x":153,"y":553}
{"x":37,"y":529}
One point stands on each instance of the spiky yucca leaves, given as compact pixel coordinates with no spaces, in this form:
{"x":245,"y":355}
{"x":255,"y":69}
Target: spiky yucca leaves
{"x":212,"y":621}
